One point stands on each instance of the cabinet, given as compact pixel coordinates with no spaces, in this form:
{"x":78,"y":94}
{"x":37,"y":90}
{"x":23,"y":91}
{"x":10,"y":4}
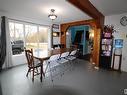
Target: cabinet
{"x":106,"y":48}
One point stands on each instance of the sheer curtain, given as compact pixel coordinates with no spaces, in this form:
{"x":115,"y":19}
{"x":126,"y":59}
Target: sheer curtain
{"x":8,"y":59}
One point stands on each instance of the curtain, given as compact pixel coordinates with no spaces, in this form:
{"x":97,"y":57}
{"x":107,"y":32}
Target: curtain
{"x":6,"y":55}
{"x":2,"y":42}
{"x":0,"y":89}
{"x":0,"y":45}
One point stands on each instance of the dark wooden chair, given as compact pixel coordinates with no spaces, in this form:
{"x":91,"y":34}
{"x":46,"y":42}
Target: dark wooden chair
{"x":33,"y":64}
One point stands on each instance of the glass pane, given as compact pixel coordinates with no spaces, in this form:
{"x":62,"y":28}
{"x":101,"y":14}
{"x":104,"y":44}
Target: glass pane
{"x":19,"y":35}
{"x":16,"y":37}
{"x":43,"y":38}
{"x":11,"y":28}
{"x":31,"y":36}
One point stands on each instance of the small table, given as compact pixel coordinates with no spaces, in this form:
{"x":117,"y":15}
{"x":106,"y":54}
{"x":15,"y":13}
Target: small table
{"x":44,"y":55}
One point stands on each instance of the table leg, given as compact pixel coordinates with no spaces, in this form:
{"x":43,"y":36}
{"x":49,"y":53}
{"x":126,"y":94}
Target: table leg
{"x":41,"y":73}
{"x":41,"y":70}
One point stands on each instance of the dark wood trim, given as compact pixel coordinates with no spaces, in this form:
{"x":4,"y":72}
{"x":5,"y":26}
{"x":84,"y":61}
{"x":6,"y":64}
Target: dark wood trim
{"x":88,"y":8}
{"x":97,"y":32}
{"x":64,"y":27}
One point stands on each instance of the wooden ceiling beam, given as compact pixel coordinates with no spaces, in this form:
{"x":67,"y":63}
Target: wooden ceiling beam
{"x":88,"y":8}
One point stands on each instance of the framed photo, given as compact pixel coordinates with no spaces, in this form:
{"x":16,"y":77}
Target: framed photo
{"x":118,"y":43}
{"x":55,"y":26}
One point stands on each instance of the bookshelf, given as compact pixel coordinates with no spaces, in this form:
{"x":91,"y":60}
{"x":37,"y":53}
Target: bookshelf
{"x":106,"y":47}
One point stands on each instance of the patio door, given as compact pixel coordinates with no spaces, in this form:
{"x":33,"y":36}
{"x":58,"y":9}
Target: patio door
{"x":27,"y":35}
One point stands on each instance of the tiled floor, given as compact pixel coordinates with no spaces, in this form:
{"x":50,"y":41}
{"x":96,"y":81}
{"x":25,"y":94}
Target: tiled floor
{"x":80,"y":80}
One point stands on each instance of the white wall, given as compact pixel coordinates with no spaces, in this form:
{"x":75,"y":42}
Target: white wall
{"x":28,"y":19}
{"x":19,"y":59}
{"x":121,"y":33}
{"x":68,"y":38}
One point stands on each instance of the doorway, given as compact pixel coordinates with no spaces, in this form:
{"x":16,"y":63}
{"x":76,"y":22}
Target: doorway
{"x":81,"y":37}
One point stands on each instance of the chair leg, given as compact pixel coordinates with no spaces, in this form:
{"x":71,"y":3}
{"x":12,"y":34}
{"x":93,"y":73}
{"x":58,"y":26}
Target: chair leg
{"x":28,"y":72}
{"x":51,"y":73}
{"x":70,"y":63}
{"x":33,"y":75}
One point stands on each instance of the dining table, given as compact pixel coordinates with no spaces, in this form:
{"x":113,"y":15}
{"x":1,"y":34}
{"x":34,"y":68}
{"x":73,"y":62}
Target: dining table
{"x":43,"y":55}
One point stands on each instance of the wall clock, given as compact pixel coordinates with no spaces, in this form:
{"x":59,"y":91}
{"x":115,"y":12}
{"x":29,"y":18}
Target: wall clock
{"x":123,"y":21}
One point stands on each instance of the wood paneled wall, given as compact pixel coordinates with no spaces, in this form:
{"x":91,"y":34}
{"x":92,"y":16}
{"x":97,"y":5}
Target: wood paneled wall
{"x":92,"y":23}
{"x":97,"y":23}
{"x":64,"y":27}
{"x":89,"y":9}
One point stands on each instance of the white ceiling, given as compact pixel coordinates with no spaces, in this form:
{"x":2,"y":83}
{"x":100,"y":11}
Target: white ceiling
{"x":40,"y":9}
{"x":110,"y":7}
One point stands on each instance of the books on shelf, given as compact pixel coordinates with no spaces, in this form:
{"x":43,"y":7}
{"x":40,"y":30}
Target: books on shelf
{"x":107,"y":35}
{"x":107,"y":41}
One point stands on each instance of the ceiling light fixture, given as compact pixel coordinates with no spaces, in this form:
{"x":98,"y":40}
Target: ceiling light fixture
{"x":52,"y":15}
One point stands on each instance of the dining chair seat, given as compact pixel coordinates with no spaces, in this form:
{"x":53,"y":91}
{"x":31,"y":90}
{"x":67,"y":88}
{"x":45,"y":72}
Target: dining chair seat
{"x":72,"y":55}
{"x":62,"y":60}
{"x":71,"y":58}
{"x":63,"y":57}
{"x":52,"y":62}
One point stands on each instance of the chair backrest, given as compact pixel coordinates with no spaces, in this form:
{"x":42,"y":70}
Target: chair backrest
{"x":73,"y":52}
{"x":54,"y":57}
{"x":65,"y":54}
{"x":29,"y":56}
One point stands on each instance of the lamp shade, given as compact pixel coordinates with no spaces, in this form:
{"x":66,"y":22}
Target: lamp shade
{"x":52,"y":15}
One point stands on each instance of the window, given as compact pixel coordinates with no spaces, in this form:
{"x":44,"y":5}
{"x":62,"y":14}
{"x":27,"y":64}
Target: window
{"x":16,"y":37}
{"x":16,"y":31}
{"x":26,"y":35}
{"x":43,"y":38}
{"x":31,"y":36}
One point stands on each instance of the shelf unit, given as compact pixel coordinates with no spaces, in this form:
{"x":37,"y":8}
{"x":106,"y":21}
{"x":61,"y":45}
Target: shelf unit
{"x":56,"y":34}
{"x":106,"y":48}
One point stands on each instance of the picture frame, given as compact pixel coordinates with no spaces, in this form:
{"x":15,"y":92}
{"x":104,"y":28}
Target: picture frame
{"x":55,"y":26}
{"x":118,"y":43}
